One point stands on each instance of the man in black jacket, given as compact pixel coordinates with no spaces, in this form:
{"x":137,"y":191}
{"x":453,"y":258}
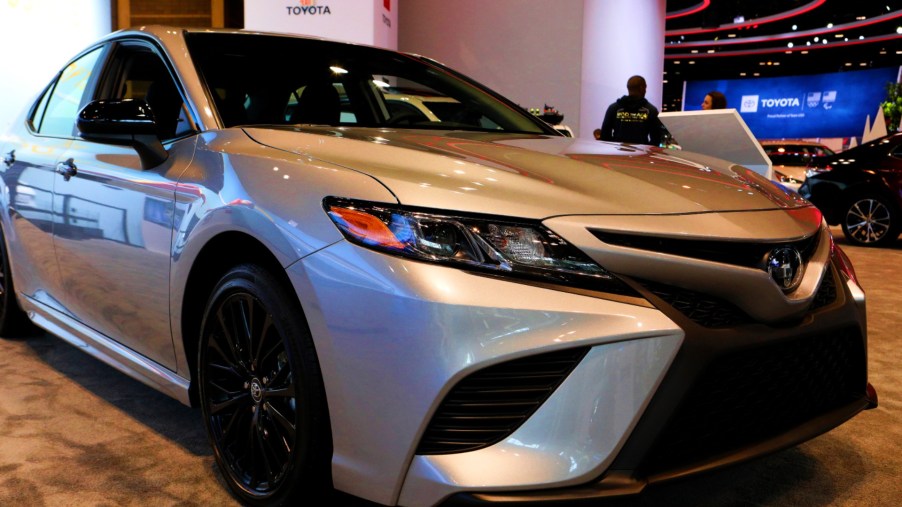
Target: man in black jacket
{"x":632,"y":119}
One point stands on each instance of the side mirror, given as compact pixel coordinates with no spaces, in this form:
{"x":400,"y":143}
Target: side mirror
{"x":123,"y":121}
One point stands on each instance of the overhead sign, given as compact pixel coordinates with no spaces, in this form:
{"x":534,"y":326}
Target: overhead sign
{"x":821,"y":105}
{"x":372,"y":22}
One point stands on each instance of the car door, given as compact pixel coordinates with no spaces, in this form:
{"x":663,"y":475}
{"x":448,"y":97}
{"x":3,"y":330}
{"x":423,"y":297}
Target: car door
{"x":114,"y":232}
{"x":30,"y":162}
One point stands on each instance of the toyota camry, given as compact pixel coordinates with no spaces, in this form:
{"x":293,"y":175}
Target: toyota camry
{"x":414,"y":309}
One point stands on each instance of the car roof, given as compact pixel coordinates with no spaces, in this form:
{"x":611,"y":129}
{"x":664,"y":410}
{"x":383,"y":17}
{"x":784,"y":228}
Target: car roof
{"x":787,"y":142}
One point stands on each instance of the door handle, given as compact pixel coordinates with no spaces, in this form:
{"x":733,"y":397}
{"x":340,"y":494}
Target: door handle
{"x":10,"y":158}
{"x":67,"y":169}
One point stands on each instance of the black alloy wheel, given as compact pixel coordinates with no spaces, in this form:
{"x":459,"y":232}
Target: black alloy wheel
{"x":870,"y":221}
{"x":261,"y":391}
{"x":13,"y":320}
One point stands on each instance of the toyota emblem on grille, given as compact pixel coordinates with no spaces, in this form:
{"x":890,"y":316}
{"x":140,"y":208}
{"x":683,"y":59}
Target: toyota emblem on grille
{"x":784,"y":265}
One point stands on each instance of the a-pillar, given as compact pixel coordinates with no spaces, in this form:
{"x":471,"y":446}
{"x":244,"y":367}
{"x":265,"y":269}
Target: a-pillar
{"x":621,"y":38}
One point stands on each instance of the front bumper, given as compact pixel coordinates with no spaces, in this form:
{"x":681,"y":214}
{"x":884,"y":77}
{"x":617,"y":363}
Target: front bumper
{"x":734,"y":394}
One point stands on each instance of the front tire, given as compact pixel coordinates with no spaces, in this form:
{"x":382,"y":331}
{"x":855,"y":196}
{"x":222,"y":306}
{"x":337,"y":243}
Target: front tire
{"x":870,"y":221}
{"x":13,"y":321}
{"x":261,"y":391}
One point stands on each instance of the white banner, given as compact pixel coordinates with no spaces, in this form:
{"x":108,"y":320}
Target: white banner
{"x":372,"y":22}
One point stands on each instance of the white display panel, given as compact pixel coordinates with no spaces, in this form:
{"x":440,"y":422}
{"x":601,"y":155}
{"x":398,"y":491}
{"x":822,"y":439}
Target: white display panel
{"x":37,"y":37}
{"x":718,"y":133}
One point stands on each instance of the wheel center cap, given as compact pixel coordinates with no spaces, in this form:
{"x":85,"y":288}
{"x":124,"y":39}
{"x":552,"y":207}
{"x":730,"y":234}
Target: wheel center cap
{"x":256,"y":391}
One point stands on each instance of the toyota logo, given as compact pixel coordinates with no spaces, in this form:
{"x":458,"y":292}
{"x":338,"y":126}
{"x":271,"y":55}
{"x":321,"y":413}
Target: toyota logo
{"x":256,"y":391}
{"x":784,"y":265}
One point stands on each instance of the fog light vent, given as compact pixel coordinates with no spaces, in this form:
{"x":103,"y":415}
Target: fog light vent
{"x":488,"y":405}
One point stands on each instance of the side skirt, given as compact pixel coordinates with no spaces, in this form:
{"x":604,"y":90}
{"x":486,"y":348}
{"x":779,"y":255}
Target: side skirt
{"x":110,"y":352}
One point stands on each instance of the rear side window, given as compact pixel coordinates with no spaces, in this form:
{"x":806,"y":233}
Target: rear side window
{"x":55,"y":115}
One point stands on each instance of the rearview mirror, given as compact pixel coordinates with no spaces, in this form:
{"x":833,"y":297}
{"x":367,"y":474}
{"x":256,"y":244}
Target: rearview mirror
{"x":123,"y":121}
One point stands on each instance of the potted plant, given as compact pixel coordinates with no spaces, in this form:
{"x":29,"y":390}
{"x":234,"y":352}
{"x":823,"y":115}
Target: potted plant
{"x":892,"y":106}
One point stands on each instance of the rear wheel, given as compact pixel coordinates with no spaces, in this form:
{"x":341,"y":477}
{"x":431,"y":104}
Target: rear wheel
{"x":13,"y":321}
{"x":261,"y":391}
{"x":870,"y":221}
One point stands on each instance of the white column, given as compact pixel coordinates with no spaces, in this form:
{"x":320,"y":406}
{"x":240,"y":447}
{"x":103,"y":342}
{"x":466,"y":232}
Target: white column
{"x":37,"y":37}
{"x":621,"y":38}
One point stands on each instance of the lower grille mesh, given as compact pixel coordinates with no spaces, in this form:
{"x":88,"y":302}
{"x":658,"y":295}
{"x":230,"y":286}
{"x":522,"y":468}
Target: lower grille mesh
{"x":489,"y":405}
{"x":750,"y":396}
{"x":826,"y":293}
{"x":703,"y":309}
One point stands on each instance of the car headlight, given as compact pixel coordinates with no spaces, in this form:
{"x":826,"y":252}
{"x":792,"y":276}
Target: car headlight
{"x":499,"y":246}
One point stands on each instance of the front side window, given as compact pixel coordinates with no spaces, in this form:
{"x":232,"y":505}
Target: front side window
{"x":137,"y":72}
{"x":66,"y":98}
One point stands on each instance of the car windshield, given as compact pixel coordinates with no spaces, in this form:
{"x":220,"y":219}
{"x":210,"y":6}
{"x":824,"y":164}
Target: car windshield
{"x":274,"y":80}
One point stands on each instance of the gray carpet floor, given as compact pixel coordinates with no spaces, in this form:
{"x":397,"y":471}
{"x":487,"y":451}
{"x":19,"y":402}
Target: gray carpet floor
{"x":74,"y":432}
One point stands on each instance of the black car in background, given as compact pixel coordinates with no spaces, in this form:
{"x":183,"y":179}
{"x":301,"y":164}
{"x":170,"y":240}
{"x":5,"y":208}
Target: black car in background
{"x":860,"y":190}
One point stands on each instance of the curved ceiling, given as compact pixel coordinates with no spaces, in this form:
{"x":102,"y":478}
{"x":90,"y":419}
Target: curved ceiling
{"x":733,"y":39}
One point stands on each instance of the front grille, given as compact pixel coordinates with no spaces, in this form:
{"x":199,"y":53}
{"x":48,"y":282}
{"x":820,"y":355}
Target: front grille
{"x":490,"y":404}
{"x":737,"y":253}
{"x":751,"y":396}
{"x":703,"y":309}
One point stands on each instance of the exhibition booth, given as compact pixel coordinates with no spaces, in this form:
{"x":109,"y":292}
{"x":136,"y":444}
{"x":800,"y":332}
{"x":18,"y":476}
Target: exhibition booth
{"x":338,"y":252}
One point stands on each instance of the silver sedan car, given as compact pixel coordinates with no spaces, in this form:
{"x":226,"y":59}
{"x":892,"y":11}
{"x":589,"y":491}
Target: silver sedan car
{"x":414,"y":310}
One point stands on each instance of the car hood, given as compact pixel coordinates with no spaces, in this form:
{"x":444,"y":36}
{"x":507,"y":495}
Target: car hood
{"x":533,"y":176}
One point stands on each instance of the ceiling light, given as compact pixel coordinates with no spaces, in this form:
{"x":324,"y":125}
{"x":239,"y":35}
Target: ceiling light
{"x":691,"y":62}
{"x":808,"y":43}
{"x":743,"y":74}
{"x":829,"y":25}
{"x":790,"y":45}
{"x":710,"y":50}
{"x":756,"y":74}
{"x":861,"y":18}
{"x":838,"y":36}
{"x":795,"y":27}
{"x":804,"y":52}
{"x":817,"y":39}
{"x":776,"y":63}
{"x":739,"y":19}
{"x":676,"y":62}
{"x":848,"y":64}
{"x":824,"y":41}
{"x":694,"y":51}
{"x":861,"y":37}
{"x":863,"y":64}
{"x":731,"y":35}
{"x":899,"y":29}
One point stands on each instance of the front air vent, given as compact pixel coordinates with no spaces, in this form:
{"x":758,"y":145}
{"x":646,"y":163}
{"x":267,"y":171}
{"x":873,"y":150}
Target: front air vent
{"x":488,"y":405}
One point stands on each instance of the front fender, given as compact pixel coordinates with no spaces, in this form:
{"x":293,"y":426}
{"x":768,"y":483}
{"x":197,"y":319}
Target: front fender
{"x":235,"y":185}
